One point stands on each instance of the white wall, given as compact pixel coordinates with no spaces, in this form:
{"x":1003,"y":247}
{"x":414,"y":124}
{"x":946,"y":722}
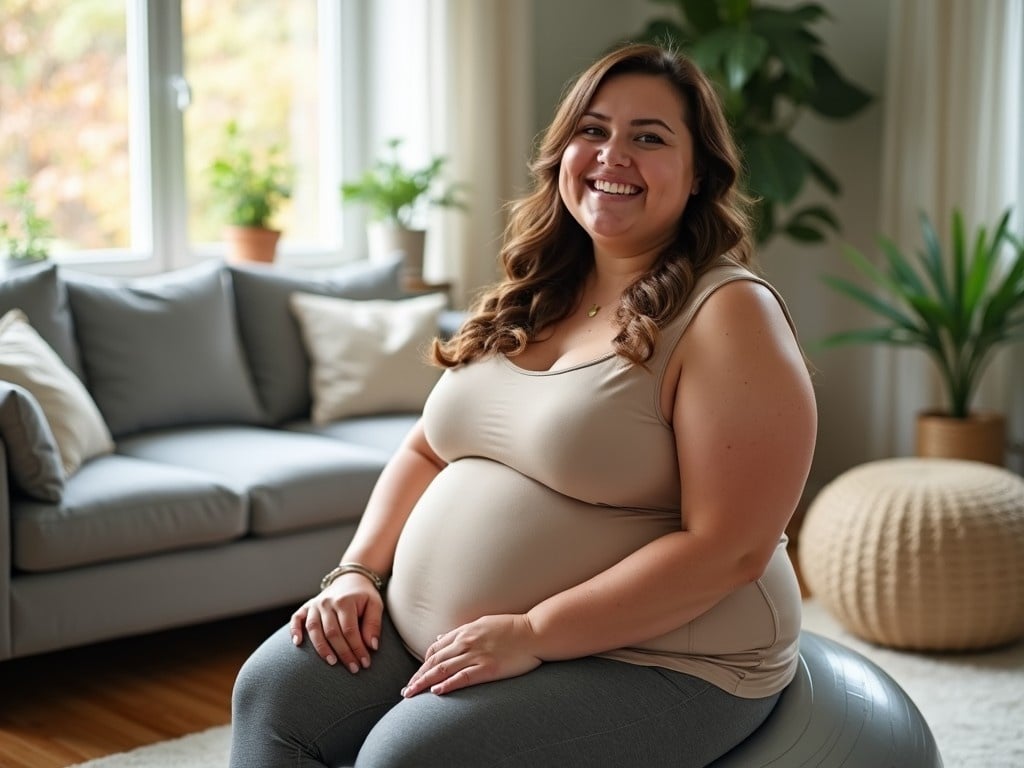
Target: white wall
{"x":568,"y":34}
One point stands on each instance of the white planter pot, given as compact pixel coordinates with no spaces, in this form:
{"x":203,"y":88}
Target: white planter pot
{"x":386,"y":240}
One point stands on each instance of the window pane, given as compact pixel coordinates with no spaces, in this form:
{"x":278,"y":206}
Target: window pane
{"x":253,"y":62}
{"x":64,"y":108}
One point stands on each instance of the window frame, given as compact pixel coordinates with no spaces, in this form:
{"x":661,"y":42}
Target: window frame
{"x":160,"y":94}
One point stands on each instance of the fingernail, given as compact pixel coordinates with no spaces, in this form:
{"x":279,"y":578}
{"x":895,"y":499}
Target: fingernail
{"x":353,"y":667}
{"x":373,"y":643}
{"x":332,"y":660}
{"x":402,"y":692}
{"x":296,"y":639}
{"x":365,"y":661}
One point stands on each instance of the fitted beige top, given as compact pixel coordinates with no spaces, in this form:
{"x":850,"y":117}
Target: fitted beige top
{"x":554,"y":476}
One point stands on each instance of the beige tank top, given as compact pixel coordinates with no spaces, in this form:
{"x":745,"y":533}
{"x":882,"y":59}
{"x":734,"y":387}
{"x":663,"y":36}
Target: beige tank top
{"x":555,"y":476}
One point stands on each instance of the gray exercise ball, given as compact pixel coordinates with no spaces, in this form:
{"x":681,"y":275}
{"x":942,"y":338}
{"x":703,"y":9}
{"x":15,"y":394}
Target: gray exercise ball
{"x":840,"y":710}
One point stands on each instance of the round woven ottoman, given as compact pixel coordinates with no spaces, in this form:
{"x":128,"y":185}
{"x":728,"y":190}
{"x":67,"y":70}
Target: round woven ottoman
{"x":922,"y":554}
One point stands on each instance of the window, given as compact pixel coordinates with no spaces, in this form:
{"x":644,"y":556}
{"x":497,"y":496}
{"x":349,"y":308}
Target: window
{"x":113,"y":109}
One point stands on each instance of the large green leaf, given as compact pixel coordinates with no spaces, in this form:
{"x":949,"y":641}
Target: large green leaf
{"x":834,"y":96}
{"x":776,"y":167}
{"x":743,"y":57}
{"x":702,"y":14}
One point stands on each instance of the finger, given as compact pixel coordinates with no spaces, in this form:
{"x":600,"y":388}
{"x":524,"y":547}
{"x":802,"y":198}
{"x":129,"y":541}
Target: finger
{"x":337,"y":636}
{"x":353,"y":641}
{"x":373,"y":619}
{"x":464,"y":678}
{"x":435,"y":671}
{"x":315,"y":630}
{"x":296,"y":625}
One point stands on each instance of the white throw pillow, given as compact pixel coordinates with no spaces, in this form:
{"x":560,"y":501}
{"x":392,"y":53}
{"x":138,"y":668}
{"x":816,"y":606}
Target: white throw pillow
{"x":367,"y":357}
{"x":77,"y":426}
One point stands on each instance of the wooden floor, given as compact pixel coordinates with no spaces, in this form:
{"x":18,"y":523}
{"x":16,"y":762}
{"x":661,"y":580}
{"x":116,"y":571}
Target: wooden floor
{"x":67,"y":707}
{"x":63,"y":708}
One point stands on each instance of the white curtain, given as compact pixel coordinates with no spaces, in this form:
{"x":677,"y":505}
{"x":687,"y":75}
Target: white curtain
{"x":953,"y":128}
{"x":454,"y":78}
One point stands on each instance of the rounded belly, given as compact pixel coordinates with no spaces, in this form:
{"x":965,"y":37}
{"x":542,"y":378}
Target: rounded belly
{"x":484,"y":539}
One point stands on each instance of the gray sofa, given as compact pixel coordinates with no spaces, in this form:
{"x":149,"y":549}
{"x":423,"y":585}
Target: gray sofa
{"x":217,"y":495}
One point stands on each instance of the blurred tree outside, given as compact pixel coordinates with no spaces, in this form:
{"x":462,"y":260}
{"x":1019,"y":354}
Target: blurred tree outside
{"x":64,"y":116}
{"x":254,"y":62}
{"x":65,"y":101}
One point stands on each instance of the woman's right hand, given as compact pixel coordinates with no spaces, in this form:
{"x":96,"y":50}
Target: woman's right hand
{"x":343,"y":621}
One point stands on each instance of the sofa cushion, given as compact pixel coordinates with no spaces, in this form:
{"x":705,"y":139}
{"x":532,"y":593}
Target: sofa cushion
{"x":368,"y":357}
{"x":384,"y":432}
{"x":38,"y":291}
{"x":32,"y":455}
{"x":163,"y":351}
{"x":293,"y":480}
{"x":270,"y":332}
{"x":121,"y":507}
{"x":75,"y":423}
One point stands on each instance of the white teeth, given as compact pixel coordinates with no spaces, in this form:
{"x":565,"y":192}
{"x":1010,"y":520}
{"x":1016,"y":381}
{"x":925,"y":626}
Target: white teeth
{"x":614,"y":188}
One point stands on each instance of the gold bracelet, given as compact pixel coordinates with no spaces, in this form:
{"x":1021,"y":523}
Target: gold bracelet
{"x":373,"y":576}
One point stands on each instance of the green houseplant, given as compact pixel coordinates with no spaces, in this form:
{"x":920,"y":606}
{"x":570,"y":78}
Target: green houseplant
{"x":959,"y":303}
{"x":397,"y":196}
{"x":250,"y":191}
{"x":769,"y":67}
{"x":28,"y":242}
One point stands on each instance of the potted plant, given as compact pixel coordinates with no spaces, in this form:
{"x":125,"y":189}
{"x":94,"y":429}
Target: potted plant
{"x":397,"y":197}
{"x":769,"y":67}
{"x":251,"y":191}
{"x":959,"y":307}
{"x":27,"y":242}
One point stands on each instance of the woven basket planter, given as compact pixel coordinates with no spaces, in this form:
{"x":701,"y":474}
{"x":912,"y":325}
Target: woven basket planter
{"x":922,"y":554}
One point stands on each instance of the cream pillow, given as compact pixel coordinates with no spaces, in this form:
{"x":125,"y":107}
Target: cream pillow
{"x":77,"y":426}
{"x":367,"y":357}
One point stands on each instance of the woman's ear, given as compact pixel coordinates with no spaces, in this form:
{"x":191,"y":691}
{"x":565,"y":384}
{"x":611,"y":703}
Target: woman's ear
{"x":695,"y":187}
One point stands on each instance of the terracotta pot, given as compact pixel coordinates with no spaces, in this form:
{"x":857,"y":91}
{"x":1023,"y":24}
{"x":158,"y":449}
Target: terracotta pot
{"x":251,"y":243}
{"x":979,"y":437}
{"x":386,"y":240}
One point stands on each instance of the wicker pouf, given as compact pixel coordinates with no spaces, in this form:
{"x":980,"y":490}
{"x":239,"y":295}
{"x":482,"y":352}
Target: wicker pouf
{"x":923,"y":554}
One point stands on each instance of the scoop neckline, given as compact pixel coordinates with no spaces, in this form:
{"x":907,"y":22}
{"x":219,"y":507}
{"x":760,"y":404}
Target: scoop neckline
{"x":556,"y":371}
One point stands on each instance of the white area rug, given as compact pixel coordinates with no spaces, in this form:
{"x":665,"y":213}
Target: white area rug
{"x":974,"y":704}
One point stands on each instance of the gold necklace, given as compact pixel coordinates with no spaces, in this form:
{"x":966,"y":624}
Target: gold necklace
{"x":594,"y":309}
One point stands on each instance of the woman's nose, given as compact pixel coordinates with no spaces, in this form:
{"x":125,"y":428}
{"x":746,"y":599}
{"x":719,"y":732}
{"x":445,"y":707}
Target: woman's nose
{"x":612,"y":153}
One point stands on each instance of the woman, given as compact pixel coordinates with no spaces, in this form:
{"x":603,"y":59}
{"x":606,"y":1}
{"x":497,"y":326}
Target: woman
{"x":585,"y":531}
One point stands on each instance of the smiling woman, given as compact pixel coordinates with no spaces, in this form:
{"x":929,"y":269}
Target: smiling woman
{"x":578,"y":520}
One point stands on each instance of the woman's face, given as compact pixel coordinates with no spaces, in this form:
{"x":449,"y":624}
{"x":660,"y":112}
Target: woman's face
{"x":627,"y":172}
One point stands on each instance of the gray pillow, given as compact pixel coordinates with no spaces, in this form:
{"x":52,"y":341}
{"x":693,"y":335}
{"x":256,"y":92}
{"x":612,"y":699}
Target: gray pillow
{"x":271,"y":334}
{"x":163,"y":351}
{"x":32,"y":456}
{"x":37,"y":291}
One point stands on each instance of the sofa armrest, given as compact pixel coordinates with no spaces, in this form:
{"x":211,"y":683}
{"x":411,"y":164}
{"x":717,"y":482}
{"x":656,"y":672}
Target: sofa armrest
{"x":6,"y":564}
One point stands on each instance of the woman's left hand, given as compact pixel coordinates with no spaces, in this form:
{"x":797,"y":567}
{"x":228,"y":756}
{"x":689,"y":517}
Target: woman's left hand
{"x":490,"y":648}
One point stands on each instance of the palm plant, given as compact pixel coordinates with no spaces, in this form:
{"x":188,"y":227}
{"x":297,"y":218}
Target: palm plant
{"x":959,"y":309}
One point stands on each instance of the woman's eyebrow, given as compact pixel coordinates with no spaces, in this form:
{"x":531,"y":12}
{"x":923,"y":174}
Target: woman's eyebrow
{"x":640,"y":121}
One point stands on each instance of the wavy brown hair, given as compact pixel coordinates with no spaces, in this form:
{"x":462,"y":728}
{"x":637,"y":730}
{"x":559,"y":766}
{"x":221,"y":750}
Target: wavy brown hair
{"x":547,"y":255}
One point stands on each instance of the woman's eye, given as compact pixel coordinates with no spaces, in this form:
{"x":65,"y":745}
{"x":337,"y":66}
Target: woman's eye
{"x":592,"y":130}
{"x":650,"y":138}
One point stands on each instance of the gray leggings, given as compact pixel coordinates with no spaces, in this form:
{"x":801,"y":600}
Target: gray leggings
{"x":292,"y":710}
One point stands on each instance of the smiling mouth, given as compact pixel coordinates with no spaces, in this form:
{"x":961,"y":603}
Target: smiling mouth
{"x":614,"y":188}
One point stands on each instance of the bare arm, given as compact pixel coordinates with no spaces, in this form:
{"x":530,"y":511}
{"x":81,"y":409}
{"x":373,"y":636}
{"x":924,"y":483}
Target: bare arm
{"x":344,"y":621}
{"x":398,"y":488}
{"x":745,"y":424}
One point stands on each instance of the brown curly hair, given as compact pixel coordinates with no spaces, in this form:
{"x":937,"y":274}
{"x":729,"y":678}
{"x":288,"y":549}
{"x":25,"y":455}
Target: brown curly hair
{"x":547,"y":255}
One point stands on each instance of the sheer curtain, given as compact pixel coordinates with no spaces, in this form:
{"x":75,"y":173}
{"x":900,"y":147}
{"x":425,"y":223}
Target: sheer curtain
{"x":454,"y":78}
{"x":953,"y":127}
